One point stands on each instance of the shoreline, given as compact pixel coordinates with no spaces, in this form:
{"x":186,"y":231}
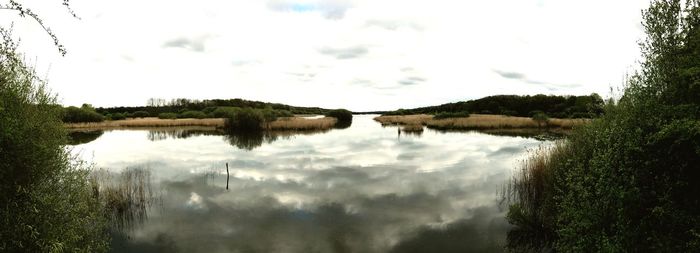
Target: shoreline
{"x":285,"y":123}
{"x":478,"y":122}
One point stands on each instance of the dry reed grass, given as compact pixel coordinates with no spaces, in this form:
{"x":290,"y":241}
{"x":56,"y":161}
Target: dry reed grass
{"x":147,"y":122}
{"x":417,"y":119}
{"x":488,"y":121}
{"x":302,"y":124}
{"x":286,"y":123}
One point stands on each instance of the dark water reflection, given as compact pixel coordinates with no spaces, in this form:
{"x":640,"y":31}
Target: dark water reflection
{"x":359,"y":189}
{"x":83,"y":136}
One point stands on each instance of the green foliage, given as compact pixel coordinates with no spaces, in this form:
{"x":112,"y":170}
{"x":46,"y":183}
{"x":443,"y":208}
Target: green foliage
{"x":118,"y":116}
{"x":140,"y":114}
{"x":628,"y":181}
{"x":246,"y":119}
{"x":46,"y":201}
{"x":192,"y":114}
{"x":158,"y":106}
{"x":514,"y":105}
{"x":541,"y":118}
{"x":343,"y":116}
{"x":225,"y":112}
{"x":167,"y":115}
{"x":74,"y":114}
{"x":446,"y":115}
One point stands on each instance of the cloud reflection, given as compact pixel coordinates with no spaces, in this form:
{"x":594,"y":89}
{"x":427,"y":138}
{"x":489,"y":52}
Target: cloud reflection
{"x":354,"y":190}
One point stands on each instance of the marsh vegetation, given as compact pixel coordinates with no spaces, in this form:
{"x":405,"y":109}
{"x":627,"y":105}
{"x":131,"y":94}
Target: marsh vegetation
{"x":626,"y":182}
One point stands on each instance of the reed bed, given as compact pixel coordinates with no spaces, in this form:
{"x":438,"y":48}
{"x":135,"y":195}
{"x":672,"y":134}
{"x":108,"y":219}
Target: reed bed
{"x":530,"y":196}
{"x":302,"y":124}
{"x":148,"y":122}
{"x":417,"y":119}
{"x":126,"y":197}
{"x":488,"y":121}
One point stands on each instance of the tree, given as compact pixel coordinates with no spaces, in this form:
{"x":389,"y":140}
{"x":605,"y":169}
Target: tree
{"x":46,"y":200}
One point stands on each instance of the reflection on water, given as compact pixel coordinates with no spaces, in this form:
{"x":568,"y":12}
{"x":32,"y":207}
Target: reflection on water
{"x":359,"y":189}
{"x":82,"y":137}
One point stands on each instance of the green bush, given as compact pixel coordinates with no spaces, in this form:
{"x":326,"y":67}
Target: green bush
{"x":225,"y":112}
{"x":246,"y":119}
{"x":343,"y":116}
{"x":628,"y":181}
{"x":46,"y":199}
{"x":140,"y":114}
{"x":118,"y":116}
{"x":167,"y":115}
{"x":74,"y":114}
{"x":192,"y":114}
{"x":445,"y":115}
{"x":541,"y":118}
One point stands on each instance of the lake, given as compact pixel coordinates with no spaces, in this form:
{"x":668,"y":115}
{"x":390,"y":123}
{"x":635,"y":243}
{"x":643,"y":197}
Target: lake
{"x":365,"y":188}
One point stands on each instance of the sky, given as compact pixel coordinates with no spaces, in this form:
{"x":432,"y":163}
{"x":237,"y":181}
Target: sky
{"x":362,"y":55}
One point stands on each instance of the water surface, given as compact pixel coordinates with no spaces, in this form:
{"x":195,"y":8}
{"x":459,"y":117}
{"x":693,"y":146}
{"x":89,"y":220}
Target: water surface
{"x":360,"y":189}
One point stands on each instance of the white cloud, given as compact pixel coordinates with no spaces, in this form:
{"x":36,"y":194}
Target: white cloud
{"x":362,"y":55}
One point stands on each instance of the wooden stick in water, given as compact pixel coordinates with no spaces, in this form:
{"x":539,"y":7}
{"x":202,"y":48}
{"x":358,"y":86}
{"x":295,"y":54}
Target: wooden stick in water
{"x":227,"y":176}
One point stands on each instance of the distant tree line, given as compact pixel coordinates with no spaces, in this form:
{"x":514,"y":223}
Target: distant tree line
{"x":525,"y":106}
{"x":156,"y":106}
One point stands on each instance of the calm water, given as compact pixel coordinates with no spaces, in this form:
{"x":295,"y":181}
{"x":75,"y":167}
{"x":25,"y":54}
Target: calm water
{"x":360,"y":189}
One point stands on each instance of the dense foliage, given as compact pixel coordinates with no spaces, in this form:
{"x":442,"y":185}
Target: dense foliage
{"x":343,"y":116}
{"x":628,"y":182}
{"x":85,"y":113}
{"x":167,"y":115}
{"x":158,"y":106}
{"x":513,"y":105}
{"x":46,"y":201}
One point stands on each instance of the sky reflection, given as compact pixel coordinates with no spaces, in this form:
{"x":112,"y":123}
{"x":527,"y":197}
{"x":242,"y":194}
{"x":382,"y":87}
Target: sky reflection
{"x":360,"y":189}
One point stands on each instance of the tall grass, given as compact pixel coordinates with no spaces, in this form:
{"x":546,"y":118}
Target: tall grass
{"x":149,"y":122}
{"x":529,"y":194}
{"x":299,"y":123}
{"x":477,"y":122}
{"x":416,"y":119}
{"x":126,"y":198}
{"x":488,"y":121}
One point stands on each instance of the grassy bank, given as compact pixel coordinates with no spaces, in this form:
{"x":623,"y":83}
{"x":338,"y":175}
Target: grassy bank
{"x":478,"y":122}
{"x":284,"y":123}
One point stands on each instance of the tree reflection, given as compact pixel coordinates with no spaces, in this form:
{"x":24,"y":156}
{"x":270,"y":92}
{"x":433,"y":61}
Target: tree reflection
{"x":82,"y":137}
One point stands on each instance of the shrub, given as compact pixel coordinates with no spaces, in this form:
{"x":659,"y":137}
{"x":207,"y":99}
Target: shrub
{"x":541,"y":118}
{"x":118,"y":116}
{"x":47,"y":203}
{"x":74,"y":114}
{"x":140,"y":114}
{"x":192,"y":114}
{"x":167,"y":115}
{"x":628,"y":181}
{"x":246,"y":119}
{"x":446,"y":115}
{"x":225,"y":112}
{"x":343,"y":116}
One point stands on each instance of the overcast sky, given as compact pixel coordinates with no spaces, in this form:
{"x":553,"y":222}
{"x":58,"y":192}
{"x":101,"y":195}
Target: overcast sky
{"x":355,"y":54}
